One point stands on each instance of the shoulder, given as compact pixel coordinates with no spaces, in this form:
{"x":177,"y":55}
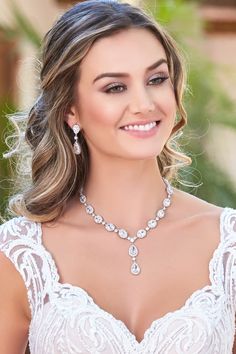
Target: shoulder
{"x":190,"y":207}
{"x":20,"y":241}
{"x":19,"y":228}
{"x":207,"y":221}
{"x":18,"y":236}
{"x":12,"y":277}
{"x":14,"y":307}
{"x":22,"y":257}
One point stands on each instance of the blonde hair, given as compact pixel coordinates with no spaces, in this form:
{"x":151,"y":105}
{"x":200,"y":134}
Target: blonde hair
{"x":56,"y":173}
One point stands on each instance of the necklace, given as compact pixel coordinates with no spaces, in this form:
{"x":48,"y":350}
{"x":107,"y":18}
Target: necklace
{"x":122,"y":233}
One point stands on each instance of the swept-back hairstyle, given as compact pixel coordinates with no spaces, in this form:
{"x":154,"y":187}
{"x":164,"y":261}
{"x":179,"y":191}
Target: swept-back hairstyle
{"x":56,"y":173}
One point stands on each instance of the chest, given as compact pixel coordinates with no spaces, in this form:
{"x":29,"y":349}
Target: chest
{"x":72,"y":320}
{"x":172,"y":268}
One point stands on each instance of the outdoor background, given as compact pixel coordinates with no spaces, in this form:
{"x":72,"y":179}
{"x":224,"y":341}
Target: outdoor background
{"x":206,"y":32}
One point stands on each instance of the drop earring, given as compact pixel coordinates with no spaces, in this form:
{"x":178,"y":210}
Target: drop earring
{"x":76,"y":146}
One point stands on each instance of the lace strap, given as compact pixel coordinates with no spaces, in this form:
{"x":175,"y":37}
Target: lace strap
{"x":20,"y":242}
{"x":228,"y":224}
{"x":228,"y":254}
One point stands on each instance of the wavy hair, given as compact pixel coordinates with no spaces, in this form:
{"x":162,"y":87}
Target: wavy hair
{"x":56,"y":174}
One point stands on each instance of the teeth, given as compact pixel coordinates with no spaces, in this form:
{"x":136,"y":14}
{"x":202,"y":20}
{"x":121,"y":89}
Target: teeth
{"x":141,"y":127}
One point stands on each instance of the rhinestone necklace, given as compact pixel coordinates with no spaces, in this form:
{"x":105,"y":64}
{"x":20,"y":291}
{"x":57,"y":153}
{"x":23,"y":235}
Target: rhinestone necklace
{"x":122,"y":233}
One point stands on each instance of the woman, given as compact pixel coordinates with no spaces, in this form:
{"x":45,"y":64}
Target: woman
{"x":105,"y":255}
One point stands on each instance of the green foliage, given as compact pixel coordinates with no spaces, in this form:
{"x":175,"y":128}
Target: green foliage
{"x":178,"y":16}
{"x":206,"y":101}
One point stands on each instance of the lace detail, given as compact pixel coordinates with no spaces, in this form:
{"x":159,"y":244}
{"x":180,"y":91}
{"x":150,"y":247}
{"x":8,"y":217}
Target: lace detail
{"x":65,"y":319}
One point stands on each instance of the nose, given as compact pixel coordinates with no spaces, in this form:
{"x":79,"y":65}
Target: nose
{"x":141,"y":102}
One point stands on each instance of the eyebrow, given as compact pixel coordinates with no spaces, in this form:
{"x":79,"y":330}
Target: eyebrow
{"x":151,"y":67}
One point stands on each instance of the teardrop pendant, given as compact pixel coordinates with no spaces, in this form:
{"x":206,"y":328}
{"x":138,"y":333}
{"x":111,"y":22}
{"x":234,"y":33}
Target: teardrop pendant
{"x":77,"y":148}
{"x":135,"y":269}
{"x":133,"y":251}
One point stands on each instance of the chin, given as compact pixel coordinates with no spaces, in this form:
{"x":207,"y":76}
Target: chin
{"x":149,"y":152}
{"x":145,"y":156}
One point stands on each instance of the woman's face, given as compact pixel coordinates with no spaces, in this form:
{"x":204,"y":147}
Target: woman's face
{"x":125,"y":102}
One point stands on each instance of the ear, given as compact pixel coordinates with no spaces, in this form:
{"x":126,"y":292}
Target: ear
{"x":72,"y":116}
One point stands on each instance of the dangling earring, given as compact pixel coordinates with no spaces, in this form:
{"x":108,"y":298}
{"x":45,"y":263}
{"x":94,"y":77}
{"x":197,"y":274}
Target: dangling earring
{"x":77,"y":147}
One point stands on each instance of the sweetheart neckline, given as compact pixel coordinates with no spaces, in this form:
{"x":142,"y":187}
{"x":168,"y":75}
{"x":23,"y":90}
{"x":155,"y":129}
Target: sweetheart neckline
{"x":148,"y":332}
{"x":154,"y":324}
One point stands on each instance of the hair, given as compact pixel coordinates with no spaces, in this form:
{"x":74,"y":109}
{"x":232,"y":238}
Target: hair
{"x":56,"y":174}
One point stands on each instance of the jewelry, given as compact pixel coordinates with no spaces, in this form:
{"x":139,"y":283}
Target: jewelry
{"x":76,"y":146}
{"x":122,"y":233}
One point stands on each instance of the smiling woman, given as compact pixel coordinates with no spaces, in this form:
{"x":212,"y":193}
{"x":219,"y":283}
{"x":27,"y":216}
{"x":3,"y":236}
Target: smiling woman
{"x":63,"y":60}
{"x":121,"y":97}
{"x":102,"y":136}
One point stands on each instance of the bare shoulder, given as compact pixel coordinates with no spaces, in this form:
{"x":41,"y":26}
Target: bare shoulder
{"x":192,"y":206}
{"x":14,"y":308}
{"x":14,"y":311}
{"x":12,"y":287}
{"x":11,"y":282}
{"x":197,"y":216}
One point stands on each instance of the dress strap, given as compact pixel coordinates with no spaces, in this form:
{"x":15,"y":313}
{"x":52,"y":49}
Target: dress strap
{"x":20,"y":241}
{"x":227,"y":260}
{"x":228,"y":224}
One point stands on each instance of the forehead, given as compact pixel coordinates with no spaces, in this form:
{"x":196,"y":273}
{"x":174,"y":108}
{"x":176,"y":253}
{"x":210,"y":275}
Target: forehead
{"x":125,"y":50}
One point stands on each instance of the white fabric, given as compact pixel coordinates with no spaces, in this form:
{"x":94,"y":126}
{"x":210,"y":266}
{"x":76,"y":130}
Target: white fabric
{"x":65,"y":319}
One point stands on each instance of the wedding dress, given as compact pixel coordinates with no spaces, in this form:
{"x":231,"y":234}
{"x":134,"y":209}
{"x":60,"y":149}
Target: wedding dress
{"x":65,"y":319}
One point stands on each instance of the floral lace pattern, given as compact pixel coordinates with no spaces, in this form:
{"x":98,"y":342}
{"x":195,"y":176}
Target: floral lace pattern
{"x":65,"y":319}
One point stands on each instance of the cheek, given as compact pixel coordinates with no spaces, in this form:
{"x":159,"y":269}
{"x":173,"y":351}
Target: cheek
{"x":99,"y":109}
{"x":168,"y":102}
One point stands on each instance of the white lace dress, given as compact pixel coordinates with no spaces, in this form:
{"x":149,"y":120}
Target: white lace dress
{"x":65,"y":319}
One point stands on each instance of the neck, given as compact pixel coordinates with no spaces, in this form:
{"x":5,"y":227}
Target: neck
{"x":126,"y":193}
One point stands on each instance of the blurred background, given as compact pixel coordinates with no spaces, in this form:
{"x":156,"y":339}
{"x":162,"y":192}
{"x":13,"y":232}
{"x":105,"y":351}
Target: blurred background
{"x":206,"y":32}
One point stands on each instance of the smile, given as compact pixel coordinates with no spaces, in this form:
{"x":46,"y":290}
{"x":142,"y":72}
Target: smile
{"x":140,"y":127}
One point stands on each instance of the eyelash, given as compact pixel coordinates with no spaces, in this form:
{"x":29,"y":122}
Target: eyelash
{"x":118,"y":88}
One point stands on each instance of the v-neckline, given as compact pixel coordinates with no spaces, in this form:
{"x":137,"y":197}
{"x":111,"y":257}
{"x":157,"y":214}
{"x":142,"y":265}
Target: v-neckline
{"x":213,"y":286}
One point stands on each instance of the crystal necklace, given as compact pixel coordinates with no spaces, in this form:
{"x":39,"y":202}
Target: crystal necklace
{"x":122,"y":233}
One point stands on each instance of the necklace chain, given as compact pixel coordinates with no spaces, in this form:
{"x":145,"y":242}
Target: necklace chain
{"x":122,"y":233}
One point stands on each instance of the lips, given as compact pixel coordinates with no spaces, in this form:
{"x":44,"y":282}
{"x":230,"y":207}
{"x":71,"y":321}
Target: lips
{"x":140,"y":126}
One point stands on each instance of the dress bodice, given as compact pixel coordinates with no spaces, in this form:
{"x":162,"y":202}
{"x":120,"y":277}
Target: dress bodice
{"x":66,"y":320}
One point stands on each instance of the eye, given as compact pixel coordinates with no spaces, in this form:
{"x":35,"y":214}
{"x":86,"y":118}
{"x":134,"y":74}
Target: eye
{"x":158,"y":80}
{"x":115,"y":88}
